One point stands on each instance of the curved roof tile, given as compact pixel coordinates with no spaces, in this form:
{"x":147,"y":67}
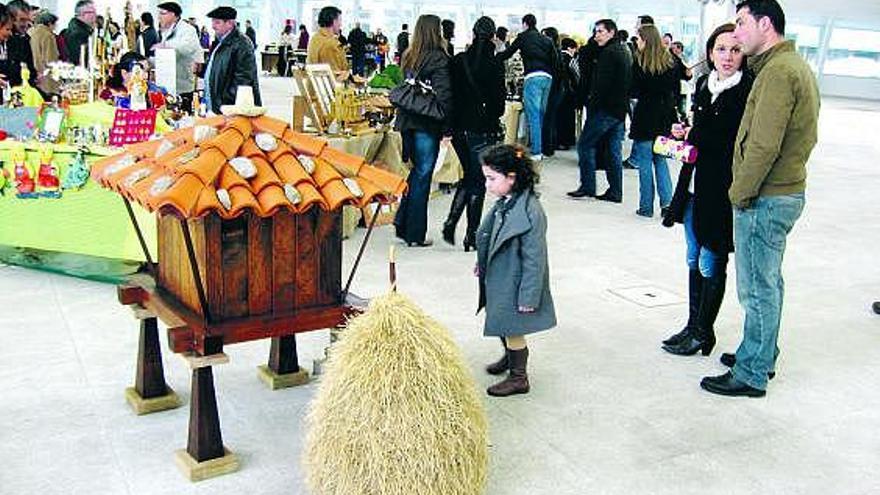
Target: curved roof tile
{"x":186,"y":178}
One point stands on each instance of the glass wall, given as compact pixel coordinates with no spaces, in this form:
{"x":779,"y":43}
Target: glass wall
{"x":808,"y":40}
{"x":854,"y":52}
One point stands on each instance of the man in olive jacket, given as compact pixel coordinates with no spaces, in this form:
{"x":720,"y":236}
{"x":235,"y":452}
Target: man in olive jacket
{"x":231,"y":63}
{"x":775,"y":139}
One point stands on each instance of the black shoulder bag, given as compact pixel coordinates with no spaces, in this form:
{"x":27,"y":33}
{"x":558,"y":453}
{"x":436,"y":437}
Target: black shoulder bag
{"x":416,"y":97}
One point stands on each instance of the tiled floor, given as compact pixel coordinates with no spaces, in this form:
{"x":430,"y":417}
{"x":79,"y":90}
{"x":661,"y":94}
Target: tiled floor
{"x":609,"y":411}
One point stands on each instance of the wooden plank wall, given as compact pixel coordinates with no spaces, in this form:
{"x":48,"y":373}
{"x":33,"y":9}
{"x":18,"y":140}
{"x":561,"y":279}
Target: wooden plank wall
{"x":254,"y":266}
{"x":306,"y":259}
{"x":329,"y":238}
{"x":283,"y":261}
{"x":234,"y":252}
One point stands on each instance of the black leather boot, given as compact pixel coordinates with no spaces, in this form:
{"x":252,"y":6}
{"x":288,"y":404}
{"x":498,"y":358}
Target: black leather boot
{"x":695,"y":288}
{"x":474,"y":214}
{"x":703,"y":339}
{"x":517,"y":381}
{"x":501,"y":365}
{"x":459,"y":201}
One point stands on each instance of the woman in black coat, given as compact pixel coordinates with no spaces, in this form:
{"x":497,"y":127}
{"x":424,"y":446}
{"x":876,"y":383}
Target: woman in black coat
{"x":426,"y":60}
{"x":701,"y":201}
{"x":479,"y":95}
{"x":655,"y":86}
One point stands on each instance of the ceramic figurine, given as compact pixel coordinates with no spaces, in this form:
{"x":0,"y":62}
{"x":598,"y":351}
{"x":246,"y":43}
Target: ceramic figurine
{"x":23,"y":173}
{"x":4,"y":178}
{"x":48,"y":184}
{"x":77,"y":172}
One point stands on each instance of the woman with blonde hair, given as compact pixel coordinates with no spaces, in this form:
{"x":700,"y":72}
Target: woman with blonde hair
{"x":655,"y":85}
{"x":426,"y":62}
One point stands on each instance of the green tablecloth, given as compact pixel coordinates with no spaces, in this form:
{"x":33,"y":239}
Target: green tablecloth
{"x":92,"y":221}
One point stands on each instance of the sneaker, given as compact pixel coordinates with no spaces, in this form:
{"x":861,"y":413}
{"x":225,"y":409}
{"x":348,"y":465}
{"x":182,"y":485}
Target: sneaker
{"x":628,"y":165}
{"x":876,"y":307}
{"x":642,"y":213}
{"x":537,"y":158}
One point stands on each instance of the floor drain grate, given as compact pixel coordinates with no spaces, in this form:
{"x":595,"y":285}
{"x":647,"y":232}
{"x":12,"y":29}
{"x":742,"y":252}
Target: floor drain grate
{"x":648,"y":296}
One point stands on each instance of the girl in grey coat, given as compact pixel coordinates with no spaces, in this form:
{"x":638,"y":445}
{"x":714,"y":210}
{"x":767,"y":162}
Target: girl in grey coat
{"x":512,"y":264}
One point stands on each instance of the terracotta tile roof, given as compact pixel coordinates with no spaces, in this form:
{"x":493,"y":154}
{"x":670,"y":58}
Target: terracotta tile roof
{"x":233,"y":164}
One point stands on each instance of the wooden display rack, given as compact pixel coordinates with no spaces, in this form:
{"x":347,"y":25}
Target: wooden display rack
{"x":316,"y":87}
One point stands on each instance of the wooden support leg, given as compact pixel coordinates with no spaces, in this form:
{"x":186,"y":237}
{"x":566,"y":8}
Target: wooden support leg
{"x":283,"y":370}
{"x":205,"y":456}
{"x":150,"y":393}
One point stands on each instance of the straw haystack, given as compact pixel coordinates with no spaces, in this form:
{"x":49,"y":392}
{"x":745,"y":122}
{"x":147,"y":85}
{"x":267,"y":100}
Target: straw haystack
{"x":397,"y":411}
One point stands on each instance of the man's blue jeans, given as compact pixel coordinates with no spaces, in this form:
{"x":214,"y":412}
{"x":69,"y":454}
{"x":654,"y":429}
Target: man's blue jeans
{"x":649,"y":163}
{"x":699,"y":257}
{"x":412,"y":216}
{"x":759,"y":238}
{"x":536,"y":92}
{"x":599,"y":125}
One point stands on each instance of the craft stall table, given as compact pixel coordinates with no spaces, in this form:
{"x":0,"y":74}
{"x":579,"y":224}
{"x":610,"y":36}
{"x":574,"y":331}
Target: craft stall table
{"x":52,"y":233}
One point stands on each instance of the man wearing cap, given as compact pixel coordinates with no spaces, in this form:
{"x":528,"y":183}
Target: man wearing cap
{"x":324,"y":47}
{"x":184,"y":39}
{"x":231,"y":63}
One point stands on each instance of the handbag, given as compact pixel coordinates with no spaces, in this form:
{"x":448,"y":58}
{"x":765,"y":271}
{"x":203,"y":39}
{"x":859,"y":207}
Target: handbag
{"x":416,"y":97}
{"x":674,"y":149}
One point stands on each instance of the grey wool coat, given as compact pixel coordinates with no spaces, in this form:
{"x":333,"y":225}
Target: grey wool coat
{"x":513,"y":268}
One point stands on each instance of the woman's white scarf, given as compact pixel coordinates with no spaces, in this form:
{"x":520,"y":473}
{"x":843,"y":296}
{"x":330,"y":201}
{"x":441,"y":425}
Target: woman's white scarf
{"x":717,"y":86}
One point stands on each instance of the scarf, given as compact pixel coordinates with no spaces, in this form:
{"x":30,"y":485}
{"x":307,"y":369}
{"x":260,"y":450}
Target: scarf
{"x":717,"y":86}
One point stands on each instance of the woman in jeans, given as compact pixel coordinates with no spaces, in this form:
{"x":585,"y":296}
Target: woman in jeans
{"x":425,"y":60}
{"x":701,"y":201}
{"x":655,"y":85}
{"x":478,"y":86}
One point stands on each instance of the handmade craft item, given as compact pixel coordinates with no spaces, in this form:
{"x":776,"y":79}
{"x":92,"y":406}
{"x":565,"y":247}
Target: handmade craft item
{"x":77,"y":172}
{"x":23,"y":173}
{"x":48,"y":184}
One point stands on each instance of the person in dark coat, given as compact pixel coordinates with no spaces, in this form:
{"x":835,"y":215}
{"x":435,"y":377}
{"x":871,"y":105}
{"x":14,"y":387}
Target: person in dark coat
{"x":548,"y":126}
{"x":427,"y":61}
{"x":447,"y":27}
{"x":512,"y":265}
{"x":148,"y":34}
{"x":607,"y":101}
{"x":701,"y":201}
{"x":479,"y":98}
{"x":18,"y":46}
{"x":566,"y":114}
{"x":357,"y":48}
{"x":251,"y":33}
{"x":79,"y":30}
{"x":231,"y":63}
{"x":655,"y":85}
{"x":402,"y":41}
{"x":539,"y":62}
{"x":302,"y":41}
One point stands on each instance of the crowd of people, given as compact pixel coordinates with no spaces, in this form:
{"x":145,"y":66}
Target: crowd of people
{"x":753,"y":120}
{"x":225,"y":60}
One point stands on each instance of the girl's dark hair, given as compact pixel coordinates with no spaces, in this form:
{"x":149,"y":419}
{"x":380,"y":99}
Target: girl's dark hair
{"x":126,"y":62}
{"x":512,"y":159}
{"x":288,"y":29}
